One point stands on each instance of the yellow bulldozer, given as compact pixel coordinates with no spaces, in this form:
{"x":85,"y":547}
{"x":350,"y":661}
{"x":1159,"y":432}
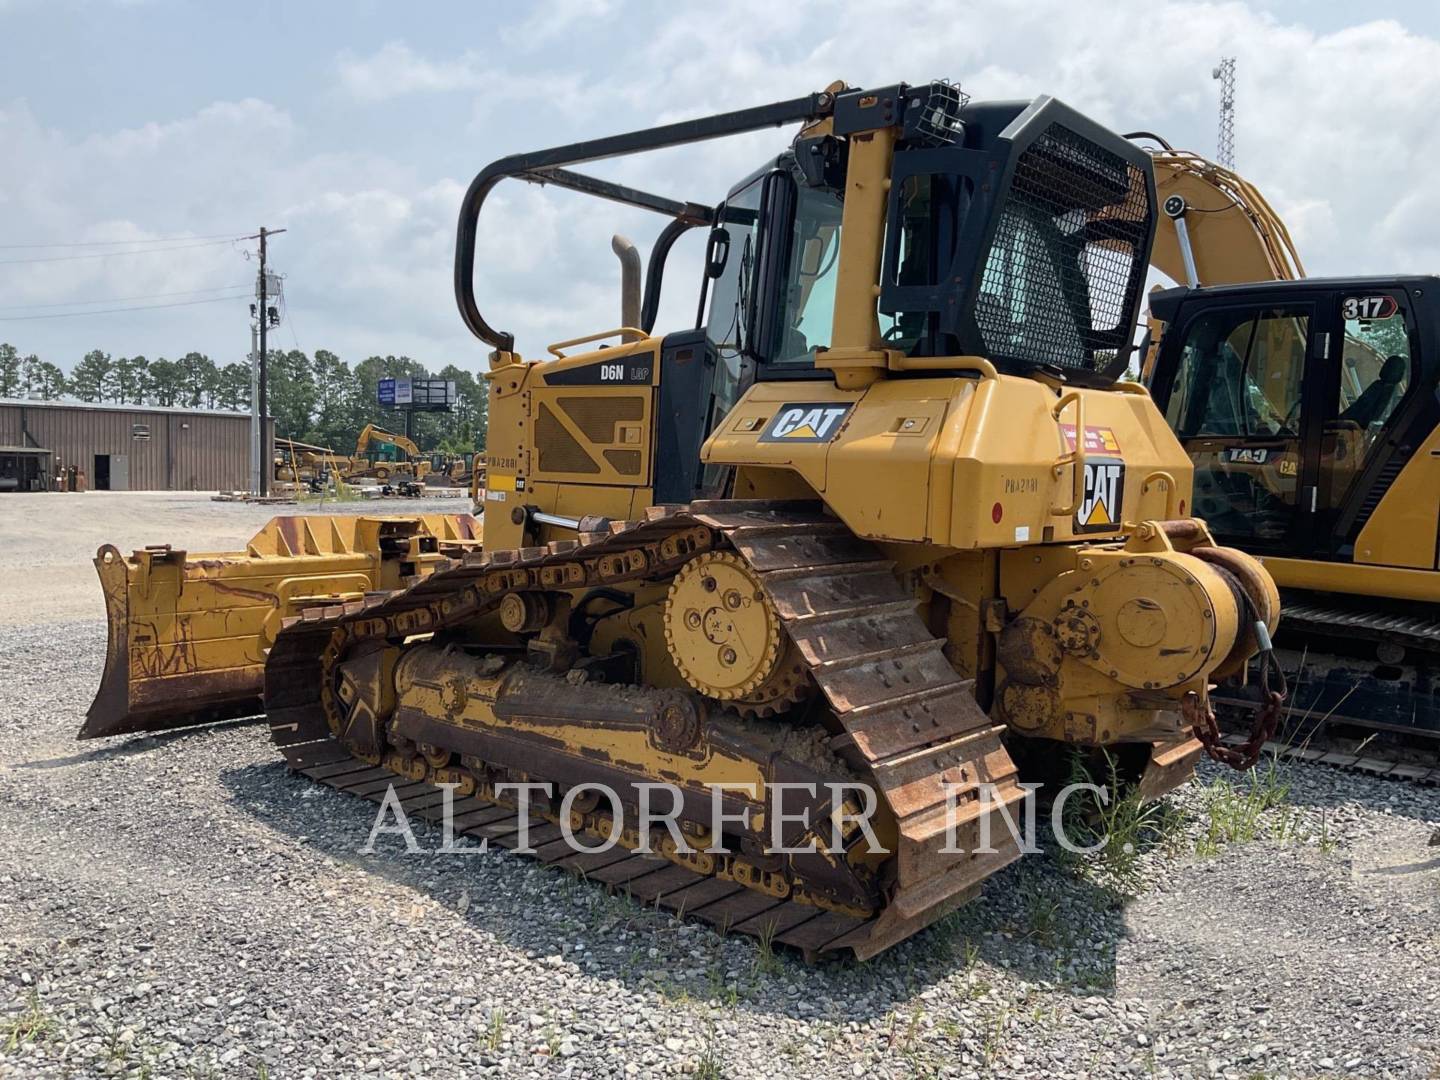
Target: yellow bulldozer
{"x":885,"y":526}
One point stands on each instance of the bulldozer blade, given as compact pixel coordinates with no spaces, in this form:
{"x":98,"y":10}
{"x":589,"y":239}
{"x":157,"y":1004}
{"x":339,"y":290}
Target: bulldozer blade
{"x":187,"y":635}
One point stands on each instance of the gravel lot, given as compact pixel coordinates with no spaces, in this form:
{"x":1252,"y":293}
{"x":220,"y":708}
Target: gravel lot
{"x":181,"y":906}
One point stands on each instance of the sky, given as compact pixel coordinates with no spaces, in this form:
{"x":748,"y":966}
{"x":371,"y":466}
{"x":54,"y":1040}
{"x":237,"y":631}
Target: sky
{"x":357,"y":125}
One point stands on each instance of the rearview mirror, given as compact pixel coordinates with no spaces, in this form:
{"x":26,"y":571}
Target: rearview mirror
{"x":717,"y":252}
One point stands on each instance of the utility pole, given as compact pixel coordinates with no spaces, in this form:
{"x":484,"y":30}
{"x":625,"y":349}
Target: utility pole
{"x":260,"y":402}
{"x":256,"y":426}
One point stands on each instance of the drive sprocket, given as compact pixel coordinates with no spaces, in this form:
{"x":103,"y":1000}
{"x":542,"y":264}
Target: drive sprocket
{"x":726,"y":637}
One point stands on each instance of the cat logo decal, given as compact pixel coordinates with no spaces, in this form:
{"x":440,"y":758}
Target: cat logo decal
{"x":806,"y":421}
{"x":1099,"y":507}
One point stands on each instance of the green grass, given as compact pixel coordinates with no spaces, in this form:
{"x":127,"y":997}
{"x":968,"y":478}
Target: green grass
{"x":1239,"y":811}
{"x":32,"y":1025}
{"x":1127,"y":824}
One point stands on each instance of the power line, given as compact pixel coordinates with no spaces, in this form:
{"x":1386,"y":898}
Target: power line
{"x":113,"y":243}
{"x":111,"y":311}
{"x":113,"y":254}
{"x":121,"y":299}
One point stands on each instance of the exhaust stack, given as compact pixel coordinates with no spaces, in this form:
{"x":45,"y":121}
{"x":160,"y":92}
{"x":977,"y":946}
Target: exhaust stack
{"x":629,"y":257}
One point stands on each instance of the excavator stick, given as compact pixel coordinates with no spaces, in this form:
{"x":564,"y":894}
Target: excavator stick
{"x":187,"y":635}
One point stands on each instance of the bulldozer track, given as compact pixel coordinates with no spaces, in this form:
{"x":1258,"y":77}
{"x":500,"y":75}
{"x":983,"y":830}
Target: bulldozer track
{"x":906,"y":717}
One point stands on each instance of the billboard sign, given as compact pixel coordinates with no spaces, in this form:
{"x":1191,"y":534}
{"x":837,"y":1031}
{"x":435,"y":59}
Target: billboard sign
{"x":422,"y":395}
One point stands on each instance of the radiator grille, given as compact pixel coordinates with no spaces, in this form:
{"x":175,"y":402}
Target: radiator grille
{"x":558,"y":451}
{"x":1068,"y":253}
{"x":597,"y":416}
{"x":625,"y":462}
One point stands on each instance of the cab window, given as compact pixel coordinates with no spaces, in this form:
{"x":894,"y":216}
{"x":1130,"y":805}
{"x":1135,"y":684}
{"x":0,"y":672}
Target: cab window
{"x":1241,"y":374}
{"x":812,"y":266}
{"x":1374,"y":375}
{"x":1375,"y":367}
{"x":730,"y":296}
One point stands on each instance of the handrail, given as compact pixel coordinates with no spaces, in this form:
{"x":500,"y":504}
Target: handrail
{"x":1075,"y":457}
{"x":944,"y":363}
{"x":1172,"y":491}
{"x":628,"y":331}
{"x":1125,"y":386}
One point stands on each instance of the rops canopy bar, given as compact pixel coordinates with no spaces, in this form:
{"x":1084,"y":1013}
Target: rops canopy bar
{"x":543,"y":166}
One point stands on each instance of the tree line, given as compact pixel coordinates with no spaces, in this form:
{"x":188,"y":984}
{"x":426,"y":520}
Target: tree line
{"x":317,"y":399}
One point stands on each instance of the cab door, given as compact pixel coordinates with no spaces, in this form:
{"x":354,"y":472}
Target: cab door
{"x":1379,"y":410}
{"x":1231,"y":379}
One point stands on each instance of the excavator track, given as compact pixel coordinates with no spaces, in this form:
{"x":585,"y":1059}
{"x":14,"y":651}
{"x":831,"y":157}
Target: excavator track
{"x":905,"y":718}
{"x":1342,"y":718}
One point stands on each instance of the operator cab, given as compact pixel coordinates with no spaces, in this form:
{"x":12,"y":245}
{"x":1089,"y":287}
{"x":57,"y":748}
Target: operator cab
{"x":1015,"y":231}
{"x":1300,"y":403}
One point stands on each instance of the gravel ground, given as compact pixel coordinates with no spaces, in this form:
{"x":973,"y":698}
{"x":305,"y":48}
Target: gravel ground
{"x":181,"y":906}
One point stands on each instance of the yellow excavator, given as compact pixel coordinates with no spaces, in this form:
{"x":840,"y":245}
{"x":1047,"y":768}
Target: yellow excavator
{"x":884,"y":527}
{"x":383,"y":455}
{"x":1309,"y":409}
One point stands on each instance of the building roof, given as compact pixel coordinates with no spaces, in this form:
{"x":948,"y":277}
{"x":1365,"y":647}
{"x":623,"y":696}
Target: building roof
{"x":110,"y":406}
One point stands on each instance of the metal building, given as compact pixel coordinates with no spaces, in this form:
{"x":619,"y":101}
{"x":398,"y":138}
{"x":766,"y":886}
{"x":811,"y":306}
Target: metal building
{"x":136,"y":447}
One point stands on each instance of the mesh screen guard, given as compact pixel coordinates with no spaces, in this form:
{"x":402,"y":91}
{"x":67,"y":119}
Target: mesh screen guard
{"x":1068,"y":255}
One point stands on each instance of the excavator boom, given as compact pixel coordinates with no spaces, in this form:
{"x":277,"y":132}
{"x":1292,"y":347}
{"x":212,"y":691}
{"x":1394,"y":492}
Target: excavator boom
{"x":1218,"y":229}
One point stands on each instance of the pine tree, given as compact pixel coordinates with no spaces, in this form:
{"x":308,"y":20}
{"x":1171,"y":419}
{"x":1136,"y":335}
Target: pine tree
{"x":9,"y":371}
{"x":91,"y":377}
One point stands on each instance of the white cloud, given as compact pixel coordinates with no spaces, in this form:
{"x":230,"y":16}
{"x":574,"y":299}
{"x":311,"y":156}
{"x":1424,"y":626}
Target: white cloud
{"x":396,"y":70}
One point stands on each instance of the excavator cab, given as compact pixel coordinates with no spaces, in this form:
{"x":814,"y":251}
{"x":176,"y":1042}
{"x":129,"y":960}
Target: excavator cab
{"x":1302,"y":404}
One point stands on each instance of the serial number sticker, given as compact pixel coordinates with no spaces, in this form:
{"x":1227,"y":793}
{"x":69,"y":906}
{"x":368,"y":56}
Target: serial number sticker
{"x":1098,"y":440}
{"x":1369,"y":307}
{"x":1021,"y":485}
{"x":495,"y":496}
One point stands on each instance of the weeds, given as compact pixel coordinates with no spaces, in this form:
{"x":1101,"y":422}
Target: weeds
{"x":495,"y":1033}
{"x":1042,"y":919}
{"x":32,"y":1024}
{"x":994,"y":1037}
{"x":711,"y":1065}
{"x":1234,"y":812}
{"x":766,"y":961}
{"x":1119,"y":820}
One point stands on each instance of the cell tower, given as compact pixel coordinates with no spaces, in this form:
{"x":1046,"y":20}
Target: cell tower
{"x":1225,"y":144}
